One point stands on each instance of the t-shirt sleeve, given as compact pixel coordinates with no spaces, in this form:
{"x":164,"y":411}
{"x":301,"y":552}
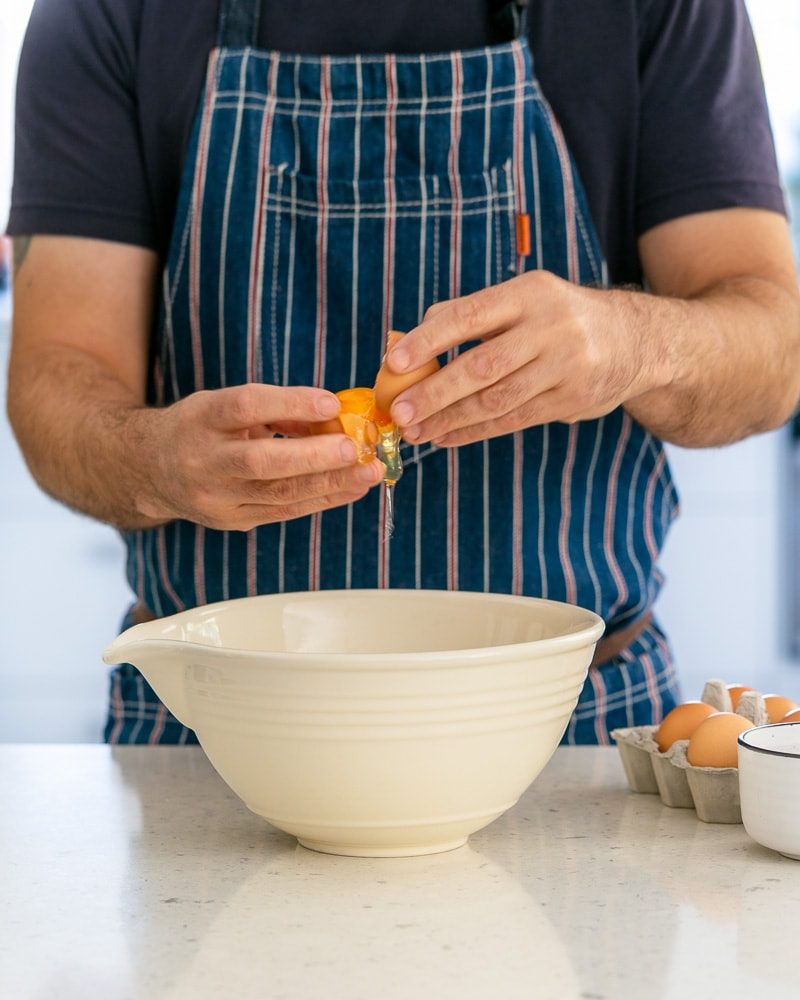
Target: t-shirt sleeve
{"x":79,"y":168}
{"x":705,"y":140}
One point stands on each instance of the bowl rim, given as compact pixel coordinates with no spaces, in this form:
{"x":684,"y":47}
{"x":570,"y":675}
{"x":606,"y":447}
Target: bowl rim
{"x":591,"y":632}
{"x":742,"y":740}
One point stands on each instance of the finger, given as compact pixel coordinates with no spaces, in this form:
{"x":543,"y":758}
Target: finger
{"x":469,"y":373}
{"x":280,"y":458}
{"x":547,"y":408}
{"x":472,"y":317}
{"x":250,"y":515}
{"x":242,"y":406}
{"x":280,"y":492}
{"x":491,"y":403}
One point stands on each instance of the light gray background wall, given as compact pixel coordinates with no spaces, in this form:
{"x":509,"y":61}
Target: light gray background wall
{"x":62,"y":590}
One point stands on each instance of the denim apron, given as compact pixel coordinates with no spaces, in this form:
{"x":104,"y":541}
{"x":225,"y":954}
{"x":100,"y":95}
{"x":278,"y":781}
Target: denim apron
{"x":326,"y":200}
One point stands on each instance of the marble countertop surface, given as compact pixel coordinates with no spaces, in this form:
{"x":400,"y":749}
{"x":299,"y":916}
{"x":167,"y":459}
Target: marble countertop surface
{"x":134,"y":872}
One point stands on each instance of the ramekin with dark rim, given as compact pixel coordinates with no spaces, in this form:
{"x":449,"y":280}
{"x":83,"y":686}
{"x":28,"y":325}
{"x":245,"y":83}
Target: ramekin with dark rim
{"x":769,"y":786}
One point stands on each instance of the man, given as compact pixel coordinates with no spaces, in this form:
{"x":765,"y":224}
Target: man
{"x":190,"y":285}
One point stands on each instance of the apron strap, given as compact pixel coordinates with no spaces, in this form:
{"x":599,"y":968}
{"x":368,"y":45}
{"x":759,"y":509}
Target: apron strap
{"x":511,"y":19}
{"x":238,"y":23}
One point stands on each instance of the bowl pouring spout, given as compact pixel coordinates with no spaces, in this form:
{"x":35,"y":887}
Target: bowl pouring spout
{"x":161,"y":661}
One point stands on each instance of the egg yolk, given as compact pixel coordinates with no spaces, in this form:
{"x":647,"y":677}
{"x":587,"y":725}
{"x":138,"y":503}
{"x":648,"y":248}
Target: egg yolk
{"x":369,"y":427}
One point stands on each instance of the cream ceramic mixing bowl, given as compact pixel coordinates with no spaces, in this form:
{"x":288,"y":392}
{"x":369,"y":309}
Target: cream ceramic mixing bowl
{"x":374,"y":723}
{"x":769,"y":786}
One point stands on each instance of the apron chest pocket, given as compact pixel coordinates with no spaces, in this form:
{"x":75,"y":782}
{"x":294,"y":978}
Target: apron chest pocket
{"x":344,"y":261}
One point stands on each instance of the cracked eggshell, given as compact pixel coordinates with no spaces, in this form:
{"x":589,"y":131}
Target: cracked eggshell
{"x":389,"y":385}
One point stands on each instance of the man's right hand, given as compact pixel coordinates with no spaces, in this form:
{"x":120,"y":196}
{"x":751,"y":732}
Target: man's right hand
{"x":219,"y":464}
{"x":83,"y":313}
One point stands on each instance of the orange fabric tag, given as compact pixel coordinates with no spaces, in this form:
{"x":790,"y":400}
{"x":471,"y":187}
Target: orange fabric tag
{"x":523,"y":234}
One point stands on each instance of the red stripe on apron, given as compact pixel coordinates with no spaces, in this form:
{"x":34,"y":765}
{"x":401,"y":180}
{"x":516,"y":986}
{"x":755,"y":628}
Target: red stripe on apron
{"x":200,"y":564}
{"x":455,"y":290}
{"x":600,"y":728}
{"x":649,"y":537}
{"x":257,"y":282}
{"x":322,"y":291}
{"x":569,"y":197}
{"x":611,"y":512}
{"x":163,"y":569}
{"x":197,"y":223}
{"x":194,"y":292}
{"x":390,"y":144}
{"x":566,"y":516}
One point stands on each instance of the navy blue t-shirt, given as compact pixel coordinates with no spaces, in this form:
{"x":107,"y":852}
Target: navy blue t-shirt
{"x":661,"y":101}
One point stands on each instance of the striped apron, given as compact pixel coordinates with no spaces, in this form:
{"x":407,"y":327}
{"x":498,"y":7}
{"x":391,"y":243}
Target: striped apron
{"x":324,"y":201}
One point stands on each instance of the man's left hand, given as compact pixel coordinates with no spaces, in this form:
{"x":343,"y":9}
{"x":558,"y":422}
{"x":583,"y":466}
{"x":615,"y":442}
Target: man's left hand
{"x":549,"y":351}
{"x":709,"y":355}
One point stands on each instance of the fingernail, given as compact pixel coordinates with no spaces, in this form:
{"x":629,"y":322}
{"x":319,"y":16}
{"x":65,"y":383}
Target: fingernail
{"x":368,"y":473}
{"x":398,"y":359}
{"x":403,"y":413}
{"x":411,"y":433}
{"x":348,"y":451}
{"x":328,"y":406}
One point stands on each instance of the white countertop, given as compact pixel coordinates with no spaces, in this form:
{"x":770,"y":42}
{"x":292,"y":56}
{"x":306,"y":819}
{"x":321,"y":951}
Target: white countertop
{"x":136,"y":873}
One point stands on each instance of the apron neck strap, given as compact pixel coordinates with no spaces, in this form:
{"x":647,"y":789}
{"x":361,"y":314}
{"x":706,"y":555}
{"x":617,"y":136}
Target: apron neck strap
{"x":238,"y":23}
{"x":511,"y":19}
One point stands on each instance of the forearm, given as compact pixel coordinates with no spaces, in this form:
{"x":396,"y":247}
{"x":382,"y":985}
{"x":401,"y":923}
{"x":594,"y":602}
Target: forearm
{"x":722,"y":364}
{"x":87,"y":440}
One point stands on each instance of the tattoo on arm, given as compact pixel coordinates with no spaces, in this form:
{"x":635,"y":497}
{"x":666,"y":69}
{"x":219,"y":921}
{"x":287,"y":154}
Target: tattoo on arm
{"x":21,"y":246}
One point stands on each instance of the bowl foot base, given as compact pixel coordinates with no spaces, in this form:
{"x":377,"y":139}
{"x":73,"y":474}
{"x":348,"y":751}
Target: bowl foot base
{"x":364,"y":851}
{"x":794,"y":857}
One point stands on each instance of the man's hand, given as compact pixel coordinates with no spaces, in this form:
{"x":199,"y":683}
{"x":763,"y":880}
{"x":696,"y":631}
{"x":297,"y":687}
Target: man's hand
{"x":713,"y":356}
{"x":550,"y":351}
{"x":218,"y":464}
{"x":76,"y":399}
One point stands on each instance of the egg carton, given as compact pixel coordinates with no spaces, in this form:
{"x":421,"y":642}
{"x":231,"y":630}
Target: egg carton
{"x":713,"y":792}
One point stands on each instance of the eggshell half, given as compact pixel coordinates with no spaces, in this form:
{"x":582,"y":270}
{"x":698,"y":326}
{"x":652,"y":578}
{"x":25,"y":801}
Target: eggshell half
{"x":388,"y":385}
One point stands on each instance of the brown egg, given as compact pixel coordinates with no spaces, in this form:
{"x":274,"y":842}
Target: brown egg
{"x":388,"y":385}
{"x":713,"y":743}
{"x":736,"y":691}
{"x":681,"y":722}
{"x":793,"y":716}
{"x":777,"y":706}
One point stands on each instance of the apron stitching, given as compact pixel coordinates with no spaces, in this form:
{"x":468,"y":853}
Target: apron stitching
{"x":283,"y":109}
{"x":273,"y":312}
{"x":480,"y":201}
{"x":587,"y":245}
{"x":479,"y":95}
{"x":404,"y":59}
